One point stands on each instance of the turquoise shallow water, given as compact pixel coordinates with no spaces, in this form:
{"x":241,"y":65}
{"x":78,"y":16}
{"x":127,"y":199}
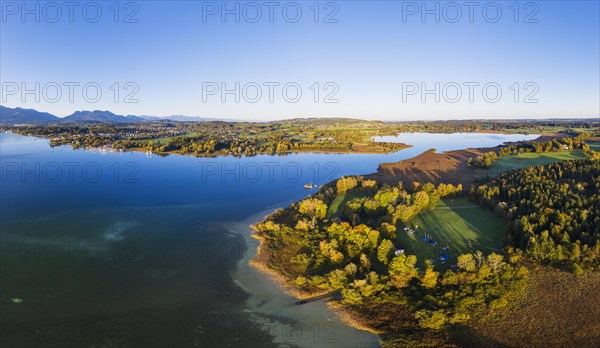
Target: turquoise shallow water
{"x":121,"y":249}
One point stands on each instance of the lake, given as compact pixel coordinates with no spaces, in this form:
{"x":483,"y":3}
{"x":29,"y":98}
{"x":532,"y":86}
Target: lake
{"x":121,"y":249}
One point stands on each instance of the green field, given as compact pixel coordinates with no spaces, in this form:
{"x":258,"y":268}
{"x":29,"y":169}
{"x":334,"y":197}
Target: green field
{"x":458,"y":224}
{"x":594,"y":145}
{"x":533,"y":159}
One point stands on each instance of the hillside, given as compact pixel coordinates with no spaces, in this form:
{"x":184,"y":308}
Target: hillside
{"x":100,"y":116}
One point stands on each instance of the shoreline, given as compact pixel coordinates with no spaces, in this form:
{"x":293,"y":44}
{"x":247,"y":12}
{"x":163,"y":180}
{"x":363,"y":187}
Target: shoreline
{"x":222,"y":153}
{"x":543,"y":136}
{"x":260,"y":263}
{"x":346,"y":316}
{"x":284,"y":153}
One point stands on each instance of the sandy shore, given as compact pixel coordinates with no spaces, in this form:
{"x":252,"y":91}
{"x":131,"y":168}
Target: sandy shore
{"x":278,"y":301}
{"x":261,"y":263}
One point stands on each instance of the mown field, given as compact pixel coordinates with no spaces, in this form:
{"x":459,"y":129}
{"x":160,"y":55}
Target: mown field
{"x":457,"y":224}
{"x":533,"y":159}
{"x":594,"y":145}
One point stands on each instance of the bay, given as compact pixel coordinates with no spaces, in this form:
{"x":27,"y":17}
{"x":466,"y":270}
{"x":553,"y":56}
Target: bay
{"x":128,"y":250}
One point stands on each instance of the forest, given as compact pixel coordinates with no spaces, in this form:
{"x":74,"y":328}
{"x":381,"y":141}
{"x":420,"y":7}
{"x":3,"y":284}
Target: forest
{"x":553,"y":211}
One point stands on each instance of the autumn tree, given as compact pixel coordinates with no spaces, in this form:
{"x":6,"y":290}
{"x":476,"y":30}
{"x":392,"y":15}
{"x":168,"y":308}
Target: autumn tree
{"x":313,"y":207}
{"x":429,"y":277}
{"x":402,"y":269}
{"x":466,"y":262}
{"x":344,"y":184}
{"x":388,"y":230}
{"x":385,"y":251}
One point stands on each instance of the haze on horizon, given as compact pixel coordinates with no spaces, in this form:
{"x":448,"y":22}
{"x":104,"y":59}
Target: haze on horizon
{"x":354,"y":59}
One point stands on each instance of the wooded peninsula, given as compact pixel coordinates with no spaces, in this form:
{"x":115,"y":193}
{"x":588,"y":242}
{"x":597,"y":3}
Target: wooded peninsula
{"x":432,"y":263}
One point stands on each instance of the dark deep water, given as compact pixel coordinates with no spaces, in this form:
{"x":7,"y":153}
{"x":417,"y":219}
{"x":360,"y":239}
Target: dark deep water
{"x":125,"y":250}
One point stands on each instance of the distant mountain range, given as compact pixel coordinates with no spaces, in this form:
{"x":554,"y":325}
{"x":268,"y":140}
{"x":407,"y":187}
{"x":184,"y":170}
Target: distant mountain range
{"x":31,"y":116}
{"x":19,"y":115}
{"x":99,"y":116}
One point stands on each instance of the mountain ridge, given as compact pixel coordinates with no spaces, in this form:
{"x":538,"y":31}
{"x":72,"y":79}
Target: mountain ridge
{"x":31,"y":116}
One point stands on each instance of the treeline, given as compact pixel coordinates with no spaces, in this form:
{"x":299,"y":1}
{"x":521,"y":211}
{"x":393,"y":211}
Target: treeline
{"x":356,"y":250}
{"x":553,"y":211}
{"x":523,"y":126}
{"x":246,"y":147}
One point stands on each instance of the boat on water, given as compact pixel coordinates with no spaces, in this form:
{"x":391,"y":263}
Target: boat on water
{"x":309,"y":186}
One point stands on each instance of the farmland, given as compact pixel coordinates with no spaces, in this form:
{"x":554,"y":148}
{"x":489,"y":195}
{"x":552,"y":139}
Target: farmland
{"x":594,"y":145}
{"x":533,"y":159}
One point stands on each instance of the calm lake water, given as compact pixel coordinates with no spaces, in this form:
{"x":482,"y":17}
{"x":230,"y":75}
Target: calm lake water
{"x":121,"y":249}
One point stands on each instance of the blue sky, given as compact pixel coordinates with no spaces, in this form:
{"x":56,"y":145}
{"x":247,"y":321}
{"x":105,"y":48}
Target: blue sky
{"x":366,"y":62}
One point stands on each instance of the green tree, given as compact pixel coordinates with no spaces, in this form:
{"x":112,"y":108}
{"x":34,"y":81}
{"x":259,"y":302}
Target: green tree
{"x":433,"y":320}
